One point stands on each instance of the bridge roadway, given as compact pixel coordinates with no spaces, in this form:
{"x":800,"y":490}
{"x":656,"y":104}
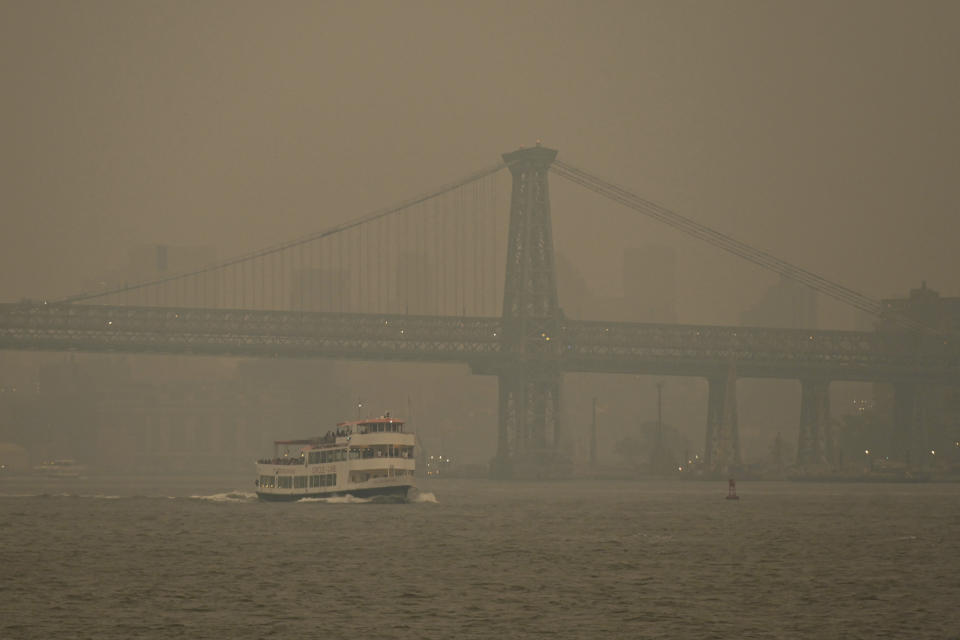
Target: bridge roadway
{"x":582,"y":346}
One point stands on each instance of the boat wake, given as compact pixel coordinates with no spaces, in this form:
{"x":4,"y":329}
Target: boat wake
{"x":232,"y":496}
{"x":413,"y":497}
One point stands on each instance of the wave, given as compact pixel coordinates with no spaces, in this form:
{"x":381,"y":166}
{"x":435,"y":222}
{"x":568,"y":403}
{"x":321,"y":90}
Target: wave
{"x":231,"y":496}
{"x":88,"y":496}
{"x":423,"y":496}
{"x":413,"y":497}
{"x":237,"y":496}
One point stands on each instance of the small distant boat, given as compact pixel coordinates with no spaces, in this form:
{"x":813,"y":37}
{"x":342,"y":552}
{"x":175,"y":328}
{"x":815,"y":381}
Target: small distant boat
{"x":732,"y":490}
{"x":365,"y":458}
{"x":61,"y":468}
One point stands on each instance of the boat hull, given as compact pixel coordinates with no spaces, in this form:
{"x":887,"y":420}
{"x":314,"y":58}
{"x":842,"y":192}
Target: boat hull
{"x":395,"y":491}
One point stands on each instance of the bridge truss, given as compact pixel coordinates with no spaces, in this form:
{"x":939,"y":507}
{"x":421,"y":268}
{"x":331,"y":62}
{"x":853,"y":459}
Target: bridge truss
{"x":397,"y":285}
{"x":582,"y":346}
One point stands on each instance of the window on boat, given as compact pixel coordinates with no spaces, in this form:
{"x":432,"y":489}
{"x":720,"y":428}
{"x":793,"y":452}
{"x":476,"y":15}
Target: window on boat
{"x":299,"y":482}
{"x":323,"y":480}
{"x":327,"y":455}
{"x":284,"y":482}
{"x":388,"y":451}
{"x":266,"y":482}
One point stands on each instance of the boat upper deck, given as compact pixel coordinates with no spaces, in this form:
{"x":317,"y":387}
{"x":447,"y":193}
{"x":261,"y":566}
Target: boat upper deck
{"x":363,"y":434}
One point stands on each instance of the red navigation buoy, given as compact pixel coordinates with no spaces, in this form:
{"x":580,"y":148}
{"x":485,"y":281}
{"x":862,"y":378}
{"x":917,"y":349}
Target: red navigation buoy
{"x":732,"y":490}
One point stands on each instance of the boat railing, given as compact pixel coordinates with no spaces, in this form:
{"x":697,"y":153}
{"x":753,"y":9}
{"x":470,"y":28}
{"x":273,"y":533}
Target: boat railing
{"x":280,"y":461}
{"x":361,"y":454}
{"x":367,"y":454}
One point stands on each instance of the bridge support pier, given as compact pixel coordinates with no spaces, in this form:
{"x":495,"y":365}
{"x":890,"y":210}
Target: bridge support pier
{"x":815,"y":441}
{"x":722,"y":451}
{"x":908,"y":442}
{"x":529,"y":424}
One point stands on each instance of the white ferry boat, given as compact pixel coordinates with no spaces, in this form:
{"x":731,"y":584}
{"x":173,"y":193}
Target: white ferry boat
{"x":372,"y":457}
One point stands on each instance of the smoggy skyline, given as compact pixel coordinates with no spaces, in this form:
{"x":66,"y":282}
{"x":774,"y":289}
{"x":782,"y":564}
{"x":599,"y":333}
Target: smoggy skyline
{"x":824,"y":133}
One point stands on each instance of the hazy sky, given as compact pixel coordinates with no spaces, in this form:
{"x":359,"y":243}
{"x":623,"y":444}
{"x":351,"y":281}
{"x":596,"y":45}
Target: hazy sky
{"x":826,"y":132}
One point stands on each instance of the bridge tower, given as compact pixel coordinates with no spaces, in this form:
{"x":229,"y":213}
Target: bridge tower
{"x":529,"y":389}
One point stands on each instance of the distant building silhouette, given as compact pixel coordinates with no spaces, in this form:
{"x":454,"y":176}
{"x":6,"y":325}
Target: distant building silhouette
{"x":321,"y":290}
{"x":650,"y":283}
{"x":924,"y":306}
{"x":787,"y":304}
{"x":649,"y":288}
{"x":414,"y":276}
{"x":926,"y":429}
{"x":150,"y":262}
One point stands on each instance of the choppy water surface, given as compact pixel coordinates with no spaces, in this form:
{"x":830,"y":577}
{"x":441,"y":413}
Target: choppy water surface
{"x":127,"y":558}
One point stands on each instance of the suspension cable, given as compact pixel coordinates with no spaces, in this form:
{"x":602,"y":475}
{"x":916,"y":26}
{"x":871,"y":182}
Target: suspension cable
{"x":376,"y":215}
{"x":756,"y":256}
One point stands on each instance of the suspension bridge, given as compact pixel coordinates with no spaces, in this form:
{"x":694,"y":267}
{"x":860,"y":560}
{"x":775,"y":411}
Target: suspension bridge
{"x":437,"y":279}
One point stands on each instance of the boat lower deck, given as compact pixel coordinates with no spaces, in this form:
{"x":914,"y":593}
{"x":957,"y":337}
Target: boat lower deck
{"x":395,"y":491}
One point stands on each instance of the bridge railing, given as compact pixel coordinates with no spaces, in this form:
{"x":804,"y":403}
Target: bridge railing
{"x":244,"y":332}
{"x":757,"y":351}
{"x":581,"y":346}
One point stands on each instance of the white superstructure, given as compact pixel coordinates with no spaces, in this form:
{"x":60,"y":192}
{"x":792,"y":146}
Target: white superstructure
{"x":363,"y":458}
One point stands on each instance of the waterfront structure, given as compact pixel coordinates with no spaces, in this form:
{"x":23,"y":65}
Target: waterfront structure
{"x":528,"y":346}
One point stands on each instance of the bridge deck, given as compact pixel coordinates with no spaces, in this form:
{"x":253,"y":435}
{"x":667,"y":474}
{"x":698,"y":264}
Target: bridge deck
{"x":611,"y":347}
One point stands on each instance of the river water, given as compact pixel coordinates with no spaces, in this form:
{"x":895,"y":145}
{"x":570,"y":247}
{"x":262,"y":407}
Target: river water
{"x":202,"y":558}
